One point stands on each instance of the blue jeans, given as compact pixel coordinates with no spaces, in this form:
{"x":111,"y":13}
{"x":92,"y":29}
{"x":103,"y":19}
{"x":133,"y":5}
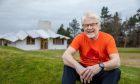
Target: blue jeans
{"x":103,"y":77}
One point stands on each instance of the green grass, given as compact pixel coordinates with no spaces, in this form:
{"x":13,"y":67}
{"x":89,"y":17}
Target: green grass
{"x":129,"y":50}
{"x":43,"y":67}
{"x":30,"y":67}
{"x":130,"y":75}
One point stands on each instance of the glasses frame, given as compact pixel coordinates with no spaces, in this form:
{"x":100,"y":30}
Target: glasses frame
{"x":91,"y":25}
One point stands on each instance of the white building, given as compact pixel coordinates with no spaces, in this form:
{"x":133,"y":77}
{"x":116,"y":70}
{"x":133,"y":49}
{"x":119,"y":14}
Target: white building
{"x":35,"y":39}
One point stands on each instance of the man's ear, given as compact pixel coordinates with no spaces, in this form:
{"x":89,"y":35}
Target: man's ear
{"x":82,"y":30}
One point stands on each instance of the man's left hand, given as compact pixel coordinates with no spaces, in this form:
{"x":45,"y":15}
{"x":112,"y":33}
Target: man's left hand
{"x":90,"y":72}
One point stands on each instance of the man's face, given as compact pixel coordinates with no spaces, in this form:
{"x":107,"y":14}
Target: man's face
{"x":91,"y":27}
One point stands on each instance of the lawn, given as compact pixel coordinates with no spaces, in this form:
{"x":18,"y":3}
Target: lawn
{"x":46,"y":66}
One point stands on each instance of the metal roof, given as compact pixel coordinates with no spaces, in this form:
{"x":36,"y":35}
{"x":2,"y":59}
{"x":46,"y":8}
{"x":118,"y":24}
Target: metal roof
{"x":21,"y":35}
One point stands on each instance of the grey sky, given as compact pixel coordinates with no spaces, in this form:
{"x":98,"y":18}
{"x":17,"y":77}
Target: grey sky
{"x":18,"y":15}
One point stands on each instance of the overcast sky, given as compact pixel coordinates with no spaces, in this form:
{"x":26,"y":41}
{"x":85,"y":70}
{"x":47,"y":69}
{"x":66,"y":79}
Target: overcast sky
{"x":18,"y":15}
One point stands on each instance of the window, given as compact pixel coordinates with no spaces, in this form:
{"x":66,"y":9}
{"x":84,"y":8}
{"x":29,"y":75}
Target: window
{"x":58,"y":41}
{"x":4,"y":42}
{"x":30,"y":40}
{"x":1,"y":42}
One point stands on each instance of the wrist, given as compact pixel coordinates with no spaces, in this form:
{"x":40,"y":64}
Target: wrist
{"x":76,"y":65}
{"x":101,"y":65}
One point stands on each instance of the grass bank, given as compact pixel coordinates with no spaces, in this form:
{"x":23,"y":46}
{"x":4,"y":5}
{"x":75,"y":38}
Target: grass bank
{"x":44,"y":67}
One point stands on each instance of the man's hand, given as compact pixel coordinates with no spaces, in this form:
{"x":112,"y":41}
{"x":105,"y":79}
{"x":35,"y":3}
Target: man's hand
{"x":90,"y":72}
{"x":94,"y":70}
{"x":80,"y":70}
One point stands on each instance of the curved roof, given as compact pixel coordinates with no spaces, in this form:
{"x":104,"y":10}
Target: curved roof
{"x":21,"y":35}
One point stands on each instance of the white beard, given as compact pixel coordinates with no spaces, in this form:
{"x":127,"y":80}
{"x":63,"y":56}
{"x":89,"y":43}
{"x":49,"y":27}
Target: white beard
{"x":90,"y":35}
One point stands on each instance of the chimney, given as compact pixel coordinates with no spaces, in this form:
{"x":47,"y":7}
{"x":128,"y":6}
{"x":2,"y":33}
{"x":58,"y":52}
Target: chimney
{"x":45,"y":25}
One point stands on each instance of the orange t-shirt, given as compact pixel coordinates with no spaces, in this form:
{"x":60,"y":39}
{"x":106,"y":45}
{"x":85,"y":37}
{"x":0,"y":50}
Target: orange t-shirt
{"x":94,"y":51}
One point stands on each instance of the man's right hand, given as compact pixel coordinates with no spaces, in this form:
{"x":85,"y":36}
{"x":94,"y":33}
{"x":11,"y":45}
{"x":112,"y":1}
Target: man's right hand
{"x":81,"y":70}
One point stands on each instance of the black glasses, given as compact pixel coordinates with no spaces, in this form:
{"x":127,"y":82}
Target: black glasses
{"x":87,"y":25}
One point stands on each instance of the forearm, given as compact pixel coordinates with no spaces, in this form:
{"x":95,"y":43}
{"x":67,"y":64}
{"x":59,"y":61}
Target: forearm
{"x":113,"y":63}
{"x":69,"y":60}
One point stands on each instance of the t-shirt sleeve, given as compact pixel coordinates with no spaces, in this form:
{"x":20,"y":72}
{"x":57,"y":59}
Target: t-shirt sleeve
{"x":111,"y":46}
{"x":76,"y":43}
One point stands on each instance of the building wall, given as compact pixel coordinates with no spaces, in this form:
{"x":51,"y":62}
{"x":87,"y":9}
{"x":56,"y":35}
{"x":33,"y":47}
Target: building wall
{"x":53,"y":46}
{"x":23,"y":45}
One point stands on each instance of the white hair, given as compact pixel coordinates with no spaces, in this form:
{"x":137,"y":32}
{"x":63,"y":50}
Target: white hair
{"x":90,"y":15}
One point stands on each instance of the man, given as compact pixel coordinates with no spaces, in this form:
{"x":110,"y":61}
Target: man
{"x":99,"y":58}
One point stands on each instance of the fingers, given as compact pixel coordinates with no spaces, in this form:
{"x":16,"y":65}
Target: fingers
{"x":81,"y":73}
{"x":89,"y":75}
{"x":88,"y":81}
{"x":84,"y":75}
{"x":85,"y":81}
{"x":81,"y":80}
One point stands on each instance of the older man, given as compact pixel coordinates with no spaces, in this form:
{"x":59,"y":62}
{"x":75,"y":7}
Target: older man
{"x":99,"y":58}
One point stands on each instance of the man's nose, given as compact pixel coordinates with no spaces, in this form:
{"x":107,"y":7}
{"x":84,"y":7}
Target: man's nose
{"x":89,"y":27}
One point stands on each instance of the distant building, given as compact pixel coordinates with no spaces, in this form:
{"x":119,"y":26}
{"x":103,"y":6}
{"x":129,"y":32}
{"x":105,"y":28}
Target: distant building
{"x":43,"y":38}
